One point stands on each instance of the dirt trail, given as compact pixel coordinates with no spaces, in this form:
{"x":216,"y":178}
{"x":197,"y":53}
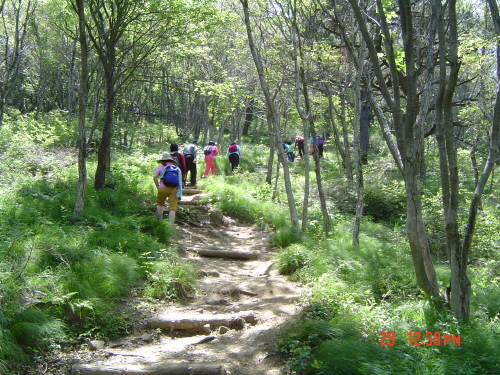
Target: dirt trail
{"x":229,"y":326}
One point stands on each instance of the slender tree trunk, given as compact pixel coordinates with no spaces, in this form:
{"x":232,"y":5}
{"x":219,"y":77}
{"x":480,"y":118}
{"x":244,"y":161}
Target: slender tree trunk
{"x":336,"y":137}
{"x":248,"y":117}
{"x":104,"y":150}
{"x":358,"y":152}
{"x":364,"y":126}
{"x":272,"y":118}
{"x":317,"y":163}
{"x":82,"y":110}
{"x":71,"y":86}
{"x":386,"y":132}
{"x":305,"y":127}
{"x":346,"y":145}
{"x":306,"y":116}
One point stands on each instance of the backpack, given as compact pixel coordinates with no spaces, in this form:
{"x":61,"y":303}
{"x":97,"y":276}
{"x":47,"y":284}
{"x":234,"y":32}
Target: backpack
{"x":170,"y":175}
{"x":175,"y":156}
{"x":232,"y":148}
{"x":190,"y":150}
{"x":207,"y":150}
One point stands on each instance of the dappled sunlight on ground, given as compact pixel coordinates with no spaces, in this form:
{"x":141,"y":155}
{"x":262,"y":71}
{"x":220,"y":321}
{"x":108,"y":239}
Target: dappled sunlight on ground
{"x":248,"y":295}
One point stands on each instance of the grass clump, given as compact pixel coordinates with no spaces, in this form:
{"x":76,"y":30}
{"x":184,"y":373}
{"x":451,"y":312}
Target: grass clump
{"x":244,"y":199}
{"x":170,"y":280}
{"x":292,"y":258}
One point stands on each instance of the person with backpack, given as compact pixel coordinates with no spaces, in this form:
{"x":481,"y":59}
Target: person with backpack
{"x":234,"y":154}
{"x":168,"y":180}
{"x":299,"y":143}
{"x":190,"y":158}
{"x":320,"y":142}
{"x":210,"y":152}
{"x":179,"y":161}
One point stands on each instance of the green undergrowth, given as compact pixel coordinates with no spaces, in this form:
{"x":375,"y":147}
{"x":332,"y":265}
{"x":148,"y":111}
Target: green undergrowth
{"x":364,"y":312}
{"x":244,"y":197}
{"x":62,"y":279}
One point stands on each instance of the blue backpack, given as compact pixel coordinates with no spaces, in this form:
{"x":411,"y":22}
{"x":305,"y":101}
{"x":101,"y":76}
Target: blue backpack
{"x":170,"y":175}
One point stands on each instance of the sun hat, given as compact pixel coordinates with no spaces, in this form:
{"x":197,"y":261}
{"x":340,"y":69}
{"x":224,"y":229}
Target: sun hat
{"x":166,"y":157}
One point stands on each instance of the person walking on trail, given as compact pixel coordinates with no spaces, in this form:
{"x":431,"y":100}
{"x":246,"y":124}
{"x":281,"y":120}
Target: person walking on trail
{"x":289,"y":152}
{"x":299,"y":143}
{"x":234,"y":154}
{"x":168,"y":180}
{"x":190,"y":157}
{"x":210,"y":151}
{"x":311,"y":145}
{"x":179,"y":161}
{"x":320,"y":142}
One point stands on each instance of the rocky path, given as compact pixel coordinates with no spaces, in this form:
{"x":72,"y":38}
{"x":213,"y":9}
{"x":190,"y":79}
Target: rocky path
{"x":232,"y":322}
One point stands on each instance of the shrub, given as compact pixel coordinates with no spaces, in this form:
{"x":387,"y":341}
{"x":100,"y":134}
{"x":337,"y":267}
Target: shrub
{"x":384,"y":201}
{"x":284,"y":237}
{"x":292,"y":259}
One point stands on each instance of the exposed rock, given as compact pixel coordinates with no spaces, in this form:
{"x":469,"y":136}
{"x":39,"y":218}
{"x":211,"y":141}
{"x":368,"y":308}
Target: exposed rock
{"x":217,"y":217}
{"x":147,"y":337}
{"x":96,"y":345}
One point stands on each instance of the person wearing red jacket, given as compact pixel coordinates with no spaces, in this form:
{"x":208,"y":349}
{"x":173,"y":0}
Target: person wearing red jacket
{"x":179,"y":161}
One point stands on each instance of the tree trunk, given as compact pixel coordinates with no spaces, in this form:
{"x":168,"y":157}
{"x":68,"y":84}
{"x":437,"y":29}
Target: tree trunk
{"x":344,"y":154}
{"x":272,"y":118}
{"x":307,"y":117}
{"x":248,"y":117}
{"x":82,"y":110}
{"x":358,"y":152}
{"x":346,"y":145}
{"x":364,"y":126}
{"x":409,"y":134}
{"x":104,"y":150}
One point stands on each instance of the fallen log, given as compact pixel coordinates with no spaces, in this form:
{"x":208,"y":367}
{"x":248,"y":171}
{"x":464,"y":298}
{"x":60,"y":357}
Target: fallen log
{"x":198,"y":322}
{"x":227,"y":254}
{"x":168,"y":368}
{"x":245,"y":292}
{"x":183,"y":202}
{"x":188,"y":191}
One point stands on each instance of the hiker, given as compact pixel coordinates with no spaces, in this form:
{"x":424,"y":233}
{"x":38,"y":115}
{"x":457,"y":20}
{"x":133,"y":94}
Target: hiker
{"x":168,"y":181}
{"x":233,"y":155}
{"x":289,"y":152}
{"x":190,"y":157}
{"x":320,"y":142}
{"x":179,"y":161}
{"x":299,"y":143}
{"x":210,"y":152}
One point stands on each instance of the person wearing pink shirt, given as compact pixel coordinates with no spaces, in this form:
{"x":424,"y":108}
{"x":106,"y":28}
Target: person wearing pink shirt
{"x":210,"y":152}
